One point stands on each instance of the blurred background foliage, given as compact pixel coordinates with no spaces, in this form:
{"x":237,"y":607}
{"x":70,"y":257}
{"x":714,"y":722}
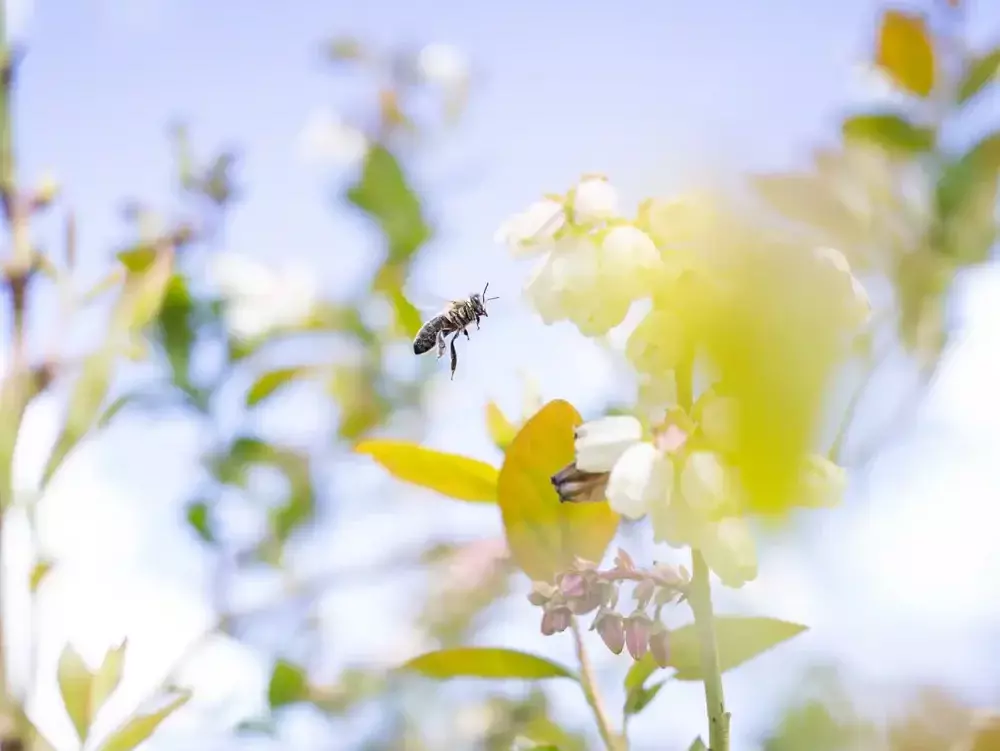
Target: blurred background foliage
{"x":202,"y":332}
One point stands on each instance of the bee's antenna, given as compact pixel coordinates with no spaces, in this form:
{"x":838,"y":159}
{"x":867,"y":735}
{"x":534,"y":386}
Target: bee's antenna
{"x":485,"y":298}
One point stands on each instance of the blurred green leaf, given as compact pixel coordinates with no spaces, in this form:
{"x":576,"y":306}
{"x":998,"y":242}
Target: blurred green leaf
{"x":738,"y":639}
{"x":485,"y":662}
{"x":150,"y":399}
{"x":141,"y":725}
{"x":107,"y":678}
{"x":966,"y":198}
{"x":449,"y":474}
{"x":905,"y":50}
{"x":198,"y":518}
{"x":288,"y":685}
{"x":546,"y":536}
{"x":42,"y":568}
{"x":74,"y":679}
{"x":16,"y":392}
{"x":892,"y":132}
{"x":699,"y":745}
{"x":980,"y":73}
{"x":138,"y":258}
{"x":384,"y":194}
{"x":639,"y":698}
{"x":176,"y":329}
{"x":268,"y":383}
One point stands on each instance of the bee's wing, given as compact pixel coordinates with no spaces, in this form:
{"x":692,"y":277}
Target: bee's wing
{"x":430,"y":304}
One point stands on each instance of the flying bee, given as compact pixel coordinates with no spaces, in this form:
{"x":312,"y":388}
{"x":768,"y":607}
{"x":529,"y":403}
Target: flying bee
{"x":453,"y":320}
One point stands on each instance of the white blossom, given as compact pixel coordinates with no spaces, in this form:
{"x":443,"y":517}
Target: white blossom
{"x":260,"y":299}
{"x":594,"y":199}
{"x":328,"y":139}
{"x":531,"y":230}
{"x":601,"y":443}
{"x":443,"y":65}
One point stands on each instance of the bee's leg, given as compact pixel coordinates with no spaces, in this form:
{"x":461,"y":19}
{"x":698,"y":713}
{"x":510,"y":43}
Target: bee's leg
{"x":477,"y":323}
{"x":466,"y":332}
{"x":454,"y":355}
{"x":440,"y":344}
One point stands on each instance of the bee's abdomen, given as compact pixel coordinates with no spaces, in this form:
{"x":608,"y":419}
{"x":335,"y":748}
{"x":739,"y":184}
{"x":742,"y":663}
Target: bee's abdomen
{"x":426,"y":338}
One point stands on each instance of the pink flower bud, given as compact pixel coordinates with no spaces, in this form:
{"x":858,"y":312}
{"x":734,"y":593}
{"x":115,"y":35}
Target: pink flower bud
{"x":592,"y":598}
{"x":556,"y":620}
{"x":572,"y":584}
{"x":623,"y":561}
{"x":667,"y":576}
{"x":659,"y":644}
{"x":637,"y":628}
{"x":541,"y":593}
{"x":643,"y":592}
{"x":611,"y":626}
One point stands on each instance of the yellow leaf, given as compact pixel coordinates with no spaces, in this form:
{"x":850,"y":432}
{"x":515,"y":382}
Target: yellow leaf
{"x":906,"y":51}
{"x":449,"y":474}
{"x":485,"y":662}
{"x":544,"y":535}
{"x":501,"y":430}
{"x":107,"y":677}
{"x":74,"y":678}
{"x":140,"y":726}
{"x":41,"y":570}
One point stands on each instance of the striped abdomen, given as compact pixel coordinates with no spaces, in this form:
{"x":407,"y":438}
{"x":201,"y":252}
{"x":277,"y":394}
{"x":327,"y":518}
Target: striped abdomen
{"x":426,"y":338}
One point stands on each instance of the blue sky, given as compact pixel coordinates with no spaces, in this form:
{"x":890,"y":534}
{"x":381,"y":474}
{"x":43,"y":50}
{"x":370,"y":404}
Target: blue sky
{"x":656,"y":95}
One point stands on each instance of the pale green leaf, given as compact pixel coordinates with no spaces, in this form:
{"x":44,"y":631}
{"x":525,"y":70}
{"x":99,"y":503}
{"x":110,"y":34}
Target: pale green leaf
{"x":74,"y":678}
{"x":107,"y":677}
{"x":485,"y":662}
{"x":42,"y":568}
{"x":890,"y":131}
{"x":269,"y":383}
{"x":288,"y":684}
{"x":141,"y":725}
{"x":981,"y":72}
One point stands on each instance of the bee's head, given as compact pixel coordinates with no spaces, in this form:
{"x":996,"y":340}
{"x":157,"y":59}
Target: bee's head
{"x":479,"y":301}
{"x":477,"y":304}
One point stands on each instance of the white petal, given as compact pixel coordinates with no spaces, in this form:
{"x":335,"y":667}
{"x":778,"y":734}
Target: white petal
{"x":528,"y":231}
{"x":704,"y":482}
{"x":600,"y":443}
{"x":823,"y":482}
{"x":443,"y":64}
{"x":542,"y":293}
{"x":640,"y":478}
{"x":595,"y":199}
{"x":834,"y":257}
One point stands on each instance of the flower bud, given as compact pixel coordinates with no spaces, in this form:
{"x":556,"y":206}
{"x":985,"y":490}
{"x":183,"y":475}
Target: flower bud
{"x":667,"y":576}
{"x":572,"y":584}
{"x":637,"y":628}
{"x":541,"y":593}
{"x":611,"y":627}
{"x":594,"y":199}
{"x":623,"y":561}
{"x":659,"y":644}
{"x":556,"y":620}
{"x":643,"y":592}
{"x":591,"y":599}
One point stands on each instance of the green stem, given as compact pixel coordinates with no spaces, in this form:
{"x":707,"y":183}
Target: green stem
{"x":612,"y":741}
{"x":700,"y":597}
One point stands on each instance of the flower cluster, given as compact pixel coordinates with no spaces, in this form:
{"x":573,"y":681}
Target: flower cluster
{"x":584,"y":589}
{"x":594,"y":262}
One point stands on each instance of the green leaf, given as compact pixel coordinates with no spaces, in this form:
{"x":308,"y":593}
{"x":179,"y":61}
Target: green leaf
{"x":449,"y":474}
{"x":384,"y":194}
{"x":698,"y":745}
{"x":176,"y":329}
{"x":288,"y":685}
{"x":485,"y":662}
{"x":138,"y":258}
{"x":890,"y":131}
{"x":738,"y":640}
{"x":268,"y":383}
{"x":107,"y":677}
{"x":16,"y":392}
{"x":74,"y":679}
{"x":905,"y":50}
{"x":198,"y":518}
{"x":42,"y":568}
{"x":544,"y":535}
{"x":966,"y":196}
{"x":980,"y":73}
{"x":149,"y":399}
{"x":141,"y":725}
{"x":638,"y":699}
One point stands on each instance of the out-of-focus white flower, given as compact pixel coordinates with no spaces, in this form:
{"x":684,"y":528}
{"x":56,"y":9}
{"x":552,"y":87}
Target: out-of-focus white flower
{"x":443,"y":65}
{"x":858,"y":305}
{"x":594,"y":199}
{"x":532,"y":230}
{"x":656,"y":345}
{"x":718,"y":419}
{"x":260,"y":299}
{"x":328,"y":139}
{"x":698,"y":511}
{"x":823,"y":482}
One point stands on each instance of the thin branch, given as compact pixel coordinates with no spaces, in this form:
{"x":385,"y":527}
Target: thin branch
{"x":701,"y":604}
{"x":612,"y":741}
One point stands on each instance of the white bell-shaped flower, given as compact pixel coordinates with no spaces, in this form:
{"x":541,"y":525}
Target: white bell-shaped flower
{"x":642,"y":479}
{"x":729,"y":550}
{"x":531,"y":230}
{"x":601,"y":443}
{"x":593,"y":200}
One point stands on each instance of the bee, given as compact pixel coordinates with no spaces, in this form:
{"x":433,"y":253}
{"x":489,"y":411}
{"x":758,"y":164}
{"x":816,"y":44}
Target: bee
{"x":453,"y":320}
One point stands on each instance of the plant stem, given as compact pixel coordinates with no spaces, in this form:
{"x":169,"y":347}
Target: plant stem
{"x":612,"y":741}
{"x":700,"y":598}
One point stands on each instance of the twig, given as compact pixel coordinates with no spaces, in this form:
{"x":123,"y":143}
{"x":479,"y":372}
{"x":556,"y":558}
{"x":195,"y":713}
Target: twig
{"x":612,"y":741}
{"x":700,"y":598}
